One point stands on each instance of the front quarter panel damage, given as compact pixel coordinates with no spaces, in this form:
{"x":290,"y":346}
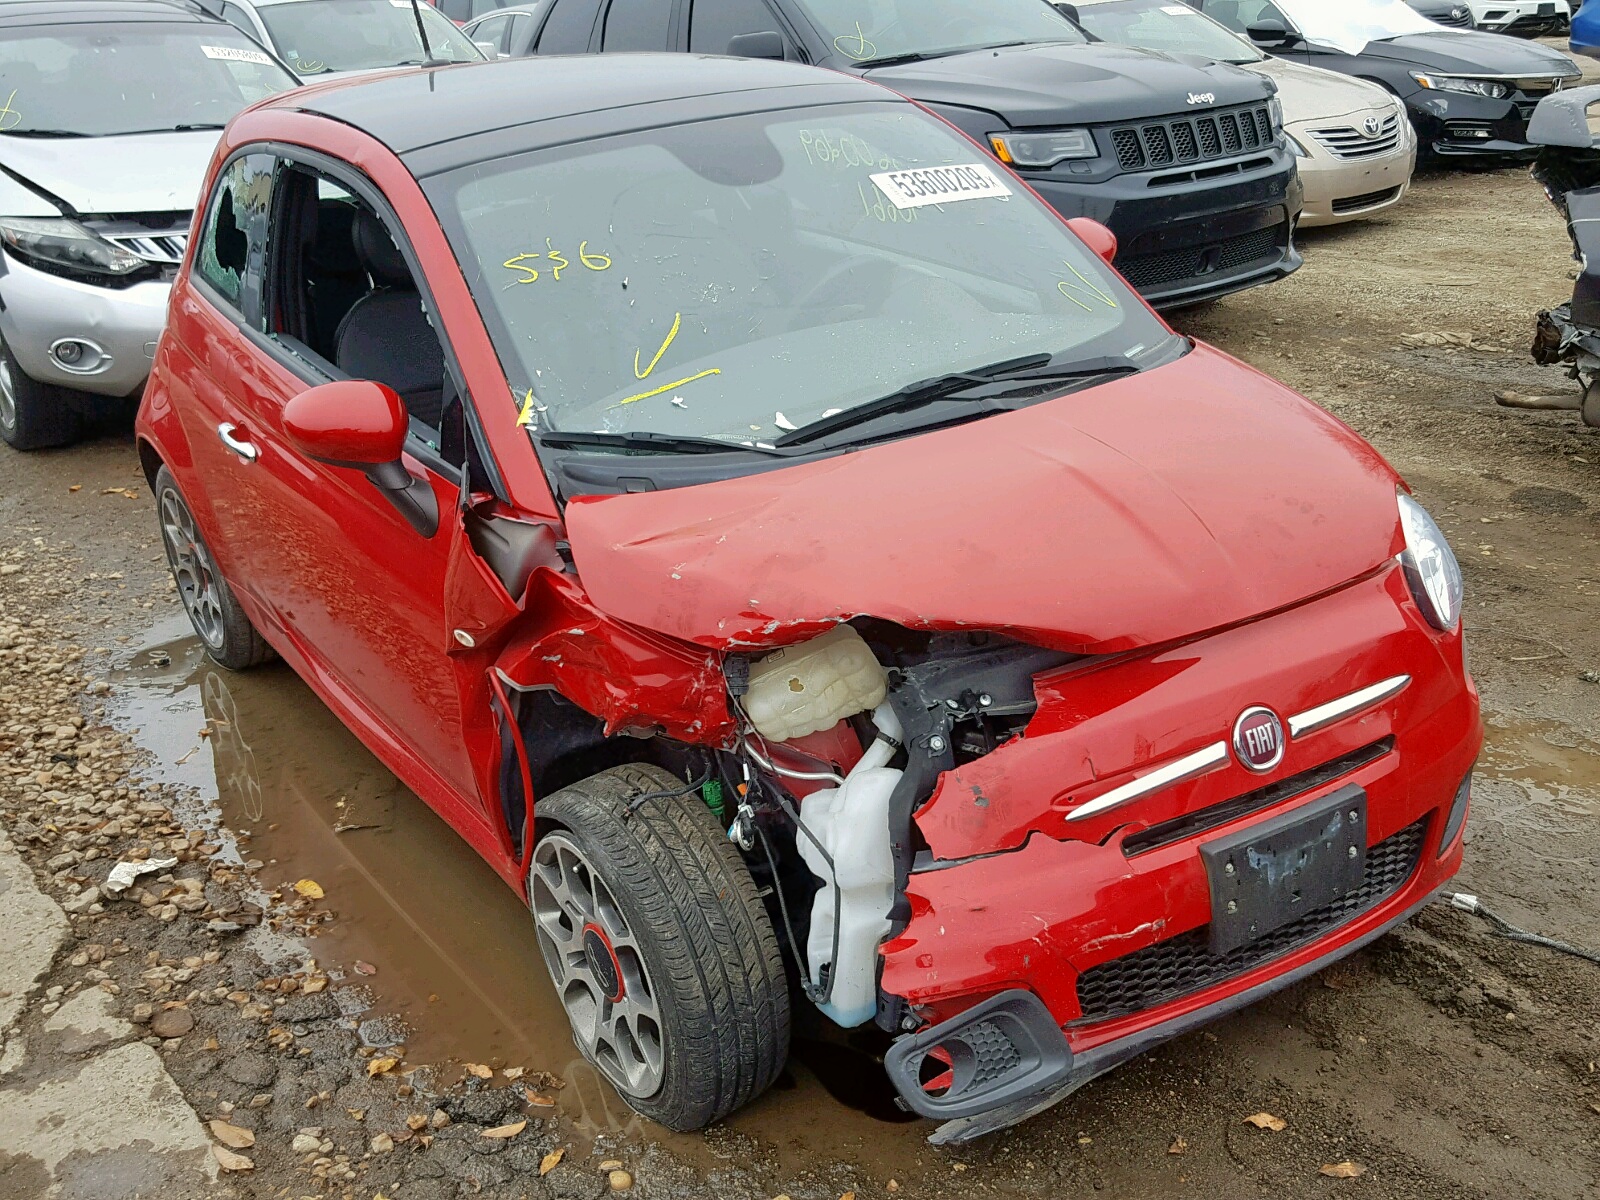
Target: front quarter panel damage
{"x":628,"y":677}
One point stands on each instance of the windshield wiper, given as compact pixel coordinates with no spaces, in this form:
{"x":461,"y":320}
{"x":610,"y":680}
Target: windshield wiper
{"x":48,"y":133}
{"x":186,"y":127}
{"x":1029,"y":371}
{"x":647,"y":440}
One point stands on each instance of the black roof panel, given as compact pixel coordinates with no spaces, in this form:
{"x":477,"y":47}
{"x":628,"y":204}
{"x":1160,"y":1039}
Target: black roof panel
{"x":409,"y":110}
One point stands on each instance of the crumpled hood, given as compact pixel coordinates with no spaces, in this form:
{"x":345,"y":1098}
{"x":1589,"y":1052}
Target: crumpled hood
{"x":1050,"y":84}
{"x":1312,"y":94}
{"x":134,"y":173}
{"x":1469,"y":52}
{"x":1154,"y":507}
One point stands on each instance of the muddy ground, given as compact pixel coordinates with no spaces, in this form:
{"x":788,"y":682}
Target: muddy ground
{"x":1444,"y":1062}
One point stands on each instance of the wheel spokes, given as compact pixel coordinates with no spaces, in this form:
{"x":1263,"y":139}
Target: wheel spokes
{"x":622,"y":1037}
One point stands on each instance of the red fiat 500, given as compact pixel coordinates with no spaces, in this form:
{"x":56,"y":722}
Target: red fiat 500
{"x":804,"y":570}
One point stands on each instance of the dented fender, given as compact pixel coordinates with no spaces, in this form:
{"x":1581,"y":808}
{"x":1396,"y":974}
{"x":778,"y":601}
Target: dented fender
{"x":628,"y":677}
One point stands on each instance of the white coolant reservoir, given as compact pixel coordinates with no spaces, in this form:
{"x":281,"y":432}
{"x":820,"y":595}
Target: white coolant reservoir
{"x":813,"y":686}
{"x":852,"y":824}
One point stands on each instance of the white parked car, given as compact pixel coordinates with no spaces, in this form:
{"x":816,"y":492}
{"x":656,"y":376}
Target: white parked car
{"x":1526,"y":18}
{"x":340,"y":37}
{"x":1356,"y":149}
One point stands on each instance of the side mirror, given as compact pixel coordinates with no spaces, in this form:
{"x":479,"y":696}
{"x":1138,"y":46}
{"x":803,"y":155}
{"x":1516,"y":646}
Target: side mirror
{"x":361,"y":424}
{"x":768,"y":44}
{"x":1095,"y":236}
{"x":1272,"y":33}
{"x":489,"y":49}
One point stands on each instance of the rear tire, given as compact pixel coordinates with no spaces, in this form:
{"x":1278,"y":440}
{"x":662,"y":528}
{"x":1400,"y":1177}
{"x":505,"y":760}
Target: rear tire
{"x":221,"y":625}
{"x":687,"y":1016}
{"x":33,"y":415}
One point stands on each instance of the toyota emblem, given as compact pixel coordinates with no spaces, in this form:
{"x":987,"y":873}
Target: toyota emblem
{"x":1258,"y":739}
{"x":1371,"y":126}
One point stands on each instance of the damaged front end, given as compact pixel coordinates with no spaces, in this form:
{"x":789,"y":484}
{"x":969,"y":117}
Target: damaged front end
{"x":1568,"y":168}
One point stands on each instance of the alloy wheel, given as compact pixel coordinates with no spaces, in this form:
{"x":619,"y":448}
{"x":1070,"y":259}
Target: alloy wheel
{"x":192,"y":569}
{"x":599,"y":972}
{"x":8,"y":392}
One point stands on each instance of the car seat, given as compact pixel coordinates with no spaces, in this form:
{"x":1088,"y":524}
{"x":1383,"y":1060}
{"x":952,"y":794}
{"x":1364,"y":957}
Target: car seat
{"x":386,"y":335}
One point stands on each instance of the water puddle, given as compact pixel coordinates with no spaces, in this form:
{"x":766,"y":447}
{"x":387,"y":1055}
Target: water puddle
{"x":453,"y":946}
{"x":1540,"y":783}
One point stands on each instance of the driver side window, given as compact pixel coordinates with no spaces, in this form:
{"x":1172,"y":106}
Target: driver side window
{"x":346,"y":304}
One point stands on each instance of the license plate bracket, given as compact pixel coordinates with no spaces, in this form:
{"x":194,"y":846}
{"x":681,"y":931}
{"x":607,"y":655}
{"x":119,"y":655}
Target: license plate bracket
{"x":1270,"y":874}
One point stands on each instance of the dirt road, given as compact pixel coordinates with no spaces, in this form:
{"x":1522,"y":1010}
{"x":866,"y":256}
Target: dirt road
{"x":1445,"y":1062}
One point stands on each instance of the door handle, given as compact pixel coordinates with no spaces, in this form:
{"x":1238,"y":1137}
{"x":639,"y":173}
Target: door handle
{"x":245,"y":450}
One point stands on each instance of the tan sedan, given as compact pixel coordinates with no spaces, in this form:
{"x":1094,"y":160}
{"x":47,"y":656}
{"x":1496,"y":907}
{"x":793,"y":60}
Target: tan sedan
{"x":1355,"y":147}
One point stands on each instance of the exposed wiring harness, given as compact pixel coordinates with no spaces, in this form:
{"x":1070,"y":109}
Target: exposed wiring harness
{"x":1500,"y":927}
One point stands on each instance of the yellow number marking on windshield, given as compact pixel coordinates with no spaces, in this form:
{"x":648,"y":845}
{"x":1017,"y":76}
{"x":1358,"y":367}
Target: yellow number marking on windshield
{"x":677,"y":324}
{"x":525,"y":417}
{"x":558,"y":263}
{"x":864,"y":48}
{"x":10,"y":118}
{"x":310,"y":66}
{"x":1085,"y":287}
{"x":667,"y":387}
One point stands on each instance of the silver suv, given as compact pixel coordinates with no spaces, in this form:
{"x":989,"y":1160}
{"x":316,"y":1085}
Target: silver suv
{"x":109,"y":113}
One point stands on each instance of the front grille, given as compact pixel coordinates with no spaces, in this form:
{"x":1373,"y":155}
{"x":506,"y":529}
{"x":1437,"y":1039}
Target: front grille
{"x":164,"y":248}
{"x":1464,"y":21}
{"x":1192,"y":824}
{"x":1152,"y":270}
{"x":1185,"y":964}
{"x":1347,"y":141}
{"x":1188,"y":139}
{"x":1352,"y":204}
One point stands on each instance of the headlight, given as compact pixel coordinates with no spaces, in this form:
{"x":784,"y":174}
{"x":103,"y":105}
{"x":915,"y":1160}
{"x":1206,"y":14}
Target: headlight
{"x":64,"y":247}
{"x":1430,"y":566}
{"x":1043,"y":147}
{"x":1295,"y":145}
{"x":1491,"y":88}
{"x":1275,"y":110}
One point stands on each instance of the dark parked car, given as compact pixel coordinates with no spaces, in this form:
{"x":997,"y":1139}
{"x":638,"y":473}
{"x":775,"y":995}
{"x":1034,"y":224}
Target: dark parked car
{"x":1469,"y":94}
{"x":1453,"y":14}
{"x":1183,"y":157}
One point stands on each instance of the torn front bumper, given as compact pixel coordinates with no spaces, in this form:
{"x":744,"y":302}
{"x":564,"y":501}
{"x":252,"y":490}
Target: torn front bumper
{"x":1104,"y":920}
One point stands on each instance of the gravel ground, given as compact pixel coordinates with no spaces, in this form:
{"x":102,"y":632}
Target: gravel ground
{"x":1443,"y":1062}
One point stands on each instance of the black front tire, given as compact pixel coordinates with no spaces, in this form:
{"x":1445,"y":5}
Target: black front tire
{"x":221,"y":625}
{"x":33,"y":415}
{"x":688,"y":934}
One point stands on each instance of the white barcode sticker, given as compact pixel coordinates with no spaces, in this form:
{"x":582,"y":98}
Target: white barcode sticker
{"x":235,"y":54}
{"x":940,"y":185}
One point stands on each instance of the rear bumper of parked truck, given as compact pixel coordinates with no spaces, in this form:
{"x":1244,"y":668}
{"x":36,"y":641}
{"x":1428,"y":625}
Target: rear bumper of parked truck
{"x":1041,"y":952}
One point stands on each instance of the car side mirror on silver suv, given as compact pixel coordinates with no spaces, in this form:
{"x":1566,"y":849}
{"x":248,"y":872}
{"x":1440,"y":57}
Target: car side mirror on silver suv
{"x":767,"y":44}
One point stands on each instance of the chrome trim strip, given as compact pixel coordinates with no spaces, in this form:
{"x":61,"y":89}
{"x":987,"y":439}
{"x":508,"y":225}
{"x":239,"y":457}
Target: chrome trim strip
{"x":1190,"y":765}
{"x":1324,"y":715}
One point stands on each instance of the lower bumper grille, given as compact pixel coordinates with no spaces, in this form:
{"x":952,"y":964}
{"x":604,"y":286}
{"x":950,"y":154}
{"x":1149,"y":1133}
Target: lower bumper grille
{"x":1185,"y":964}
{"x":1173,"y":266}
{"x":1352,"y":204}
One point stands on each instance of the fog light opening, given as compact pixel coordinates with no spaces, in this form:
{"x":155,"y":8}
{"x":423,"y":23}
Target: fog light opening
{"x":79,"y":355}
{"x":1458,"y":816}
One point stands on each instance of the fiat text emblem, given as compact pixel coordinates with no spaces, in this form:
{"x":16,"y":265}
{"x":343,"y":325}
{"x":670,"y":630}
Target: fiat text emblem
{"x":1258,"y":739}
{"x":1371,"y":126}
{"x":1202,"y":97}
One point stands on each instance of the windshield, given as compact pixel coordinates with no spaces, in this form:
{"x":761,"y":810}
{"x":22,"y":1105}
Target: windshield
{"x":738,"y":278}
{"x":1349,"y":25}
{"x":1161,"y":25}
{"x":103,"y":79}
{"x":318,"y":36}
{"x":863,"y":31}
